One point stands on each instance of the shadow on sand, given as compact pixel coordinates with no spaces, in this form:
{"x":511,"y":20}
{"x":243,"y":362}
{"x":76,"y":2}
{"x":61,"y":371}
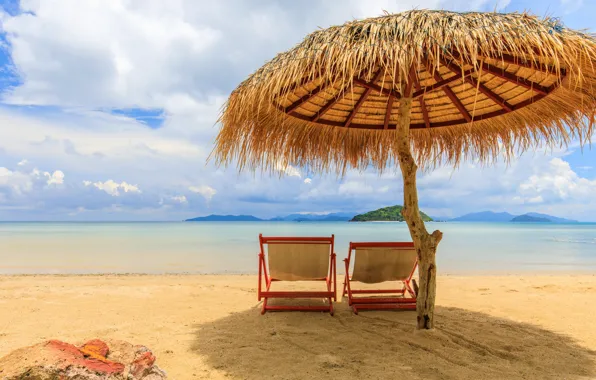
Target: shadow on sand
{"x":381,"y":345}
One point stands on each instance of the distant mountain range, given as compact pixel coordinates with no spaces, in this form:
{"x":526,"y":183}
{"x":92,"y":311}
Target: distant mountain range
{"x":392,"y":213}
{"x":484,"y":216}
{"x":489,"y":216}
{"x":330,"y":217}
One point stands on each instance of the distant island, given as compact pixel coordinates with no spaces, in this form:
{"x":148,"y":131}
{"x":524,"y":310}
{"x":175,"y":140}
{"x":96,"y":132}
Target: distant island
{"x":531,"y":217}
{"x":386,"y":214}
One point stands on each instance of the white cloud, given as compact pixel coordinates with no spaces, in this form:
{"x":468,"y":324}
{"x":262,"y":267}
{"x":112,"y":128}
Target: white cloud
{"x":206,"y":191}
{"x":308,"y":181}
{"x":21,"y":182}
{"x":383,"y":189}
{"x":179,"y":199}
{"x":56,"y":178}
{"x":556,"y":182}
{"x":105,"y":135}
{"x":23,"y":162}
{"x":108,"y":49}
{"x":113,"y":188}
{"x":288,"y":169}
{"x":15,"y":181}
{"x":354,"y":188}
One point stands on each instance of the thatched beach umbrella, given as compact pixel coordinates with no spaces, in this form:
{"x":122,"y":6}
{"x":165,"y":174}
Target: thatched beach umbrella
{"x":417,"y":89}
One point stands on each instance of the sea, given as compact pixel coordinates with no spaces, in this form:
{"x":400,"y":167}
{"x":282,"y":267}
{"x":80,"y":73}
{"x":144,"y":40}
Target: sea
{"x":232,"y":247}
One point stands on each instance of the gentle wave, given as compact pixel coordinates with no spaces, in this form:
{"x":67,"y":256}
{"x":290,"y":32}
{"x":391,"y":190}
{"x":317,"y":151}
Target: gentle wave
{"x":569,"y":240}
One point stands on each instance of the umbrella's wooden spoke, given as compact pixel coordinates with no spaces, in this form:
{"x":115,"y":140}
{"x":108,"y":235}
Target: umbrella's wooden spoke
{"x":501,"y":73}
{"x":362,"y":99}
{"x":456,"y":69}
{"x":388,"y":112}
{"x":422,"y":104}
{"x":491,"y":95}
{"x":376,"y":87}
{"x":412,"y":78}
{"x":305,"y":98}
{"x":454,"y":99}
{"x":424,"y":112}
{"x":439,"y":85}
{"x":356,"y":107}
{"x":328,"y":105}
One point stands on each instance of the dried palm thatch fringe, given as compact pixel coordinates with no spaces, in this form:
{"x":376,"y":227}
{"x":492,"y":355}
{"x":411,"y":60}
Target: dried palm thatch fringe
{"x":256,"y":133}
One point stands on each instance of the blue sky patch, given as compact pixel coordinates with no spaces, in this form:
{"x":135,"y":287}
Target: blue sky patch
{"x":12,"y":7}
{"x":153,"y":118}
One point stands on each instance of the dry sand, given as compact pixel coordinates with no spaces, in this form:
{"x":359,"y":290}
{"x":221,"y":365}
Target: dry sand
{"x":209,"y":327}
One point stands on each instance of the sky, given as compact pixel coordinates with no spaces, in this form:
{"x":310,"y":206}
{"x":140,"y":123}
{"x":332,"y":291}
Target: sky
{"x":108,"y":111}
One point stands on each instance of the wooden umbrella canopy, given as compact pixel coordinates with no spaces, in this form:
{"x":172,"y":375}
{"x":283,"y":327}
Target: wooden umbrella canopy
{"x":419,"y":88}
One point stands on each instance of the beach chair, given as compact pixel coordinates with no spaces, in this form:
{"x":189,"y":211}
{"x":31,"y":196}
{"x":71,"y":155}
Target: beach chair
{"x":297,"y":259}
{"x":375,"y":263}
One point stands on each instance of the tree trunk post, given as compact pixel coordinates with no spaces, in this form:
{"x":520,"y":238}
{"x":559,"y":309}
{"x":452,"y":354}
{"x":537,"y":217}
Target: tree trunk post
{"x":425,"y":243}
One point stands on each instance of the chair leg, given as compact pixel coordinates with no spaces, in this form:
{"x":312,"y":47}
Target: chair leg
{"x":409,"y":289}
{"x":348,"y":291}
{"x":334,"y":281}
{"x":346,"y":279}
{"x":415,"y":288}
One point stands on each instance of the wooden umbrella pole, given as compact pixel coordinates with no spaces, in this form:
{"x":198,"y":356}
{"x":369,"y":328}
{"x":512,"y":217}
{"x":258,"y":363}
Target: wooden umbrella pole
{"x":425,"y":243}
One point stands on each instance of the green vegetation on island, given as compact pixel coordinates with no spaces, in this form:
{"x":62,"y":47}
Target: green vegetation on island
{"x":386,"y":214}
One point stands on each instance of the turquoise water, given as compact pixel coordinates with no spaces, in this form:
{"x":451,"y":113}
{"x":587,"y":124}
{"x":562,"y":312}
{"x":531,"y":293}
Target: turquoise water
{"x":232,"y":247}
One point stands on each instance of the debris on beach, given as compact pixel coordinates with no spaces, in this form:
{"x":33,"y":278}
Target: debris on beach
{"x":94,"y":360}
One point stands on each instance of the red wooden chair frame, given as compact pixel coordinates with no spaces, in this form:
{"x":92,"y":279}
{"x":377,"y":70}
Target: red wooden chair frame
{"x":330,"y":279}
{"x":380,"y":303}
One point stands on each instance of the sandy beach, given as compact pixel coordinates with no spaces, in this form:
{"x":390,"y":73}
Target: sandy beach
{"x":209,"y":327}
